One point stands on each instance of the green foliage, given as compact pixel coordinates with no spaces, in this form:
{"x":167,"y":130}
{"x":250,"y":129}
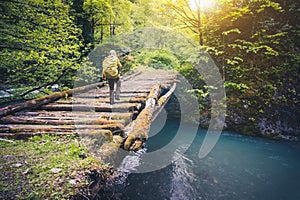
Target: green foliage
{"x":236,"y":87}
{"x":254,"y":44}
{"x":255,"y":59}
{"x":39,"y":44}
{"x":107,"y":18}
{"x":158,"y":59}
{"x":87,"y":74}
{"x":128,"y":64}
{"x":192,"y":75}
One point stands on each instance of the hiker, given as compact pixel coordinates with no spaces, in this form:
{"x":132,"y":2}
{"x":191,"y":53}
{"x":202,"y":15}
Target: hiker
{"x":111,"y":67}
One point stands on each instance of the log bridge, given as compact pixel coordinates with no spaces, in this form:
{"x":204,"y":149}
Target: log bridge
{"x":86,"y":111}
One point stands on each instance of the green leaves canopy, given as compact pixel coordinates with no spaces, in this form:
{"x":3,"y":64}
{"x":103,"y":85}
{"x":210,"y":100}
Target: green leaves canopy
{"x":39,"y":43}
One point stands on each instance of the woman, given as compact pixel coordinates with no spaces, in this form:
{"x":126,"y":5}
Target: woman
{"x":111,"y":68}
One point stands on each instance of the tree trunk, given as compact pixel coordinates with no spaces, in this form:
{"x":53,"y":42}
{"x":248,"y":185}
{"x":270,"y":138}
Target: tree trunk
{"x":199,"y":25}
{"x":139,"y":128}
{"x":58,"y":121}
{"x":16,"y":128}
{"x":98,"y":108}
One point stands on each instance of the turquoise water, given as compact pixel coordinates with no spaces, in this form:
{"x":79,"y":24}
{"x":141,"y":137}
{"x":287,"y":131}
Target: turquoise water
{"x":239,"y":167}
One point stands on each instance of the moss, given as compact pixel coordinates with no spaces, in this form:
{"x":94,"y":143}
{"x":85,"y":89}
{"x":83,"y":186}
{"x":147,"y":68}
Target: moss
{"x":129,"y":140}
{"x":46,"y":167}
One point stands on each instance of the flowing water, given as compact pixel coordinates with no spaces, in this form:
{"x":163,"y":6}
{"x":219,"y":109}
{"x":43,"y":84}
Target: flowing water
{"x":239,"y":167}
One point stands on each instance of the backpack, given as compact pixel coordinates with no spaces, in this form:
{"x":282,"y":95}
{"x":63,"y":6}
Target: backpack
{"x":110,"y":67}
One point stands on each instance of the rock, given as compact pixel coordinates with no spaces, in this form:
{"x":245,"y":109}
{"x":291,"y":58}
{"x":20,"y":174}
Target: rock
{"x":215,"y":181}
{"x":287,"y":137}
{"x":17,"y":165}
{"x":72,"y":182}
{"x":137,"y":145}
{"x":8,"y":157}
{"x":26,"y":171}
{"x":56,"y":170}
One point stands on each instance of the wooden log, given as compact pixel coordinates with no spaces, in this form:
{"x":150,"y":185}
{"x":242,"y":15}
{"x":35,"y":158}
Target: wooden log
{"x":137,"y":100}
{"x":13,"y":128}
{"x":152,"y":81}
{"x":162,"y":101}
{"x":36,"y":103}
{"x":122,"y":100}
{"x":95,"y":96}
{"x":126,"y":78}
{"x":127,"y":107}
{"x":58,"y":121}
{"x":100,"y":101}
{"x":154,"y":93}
{"x":126,"y":91}
{"x":65,"y":115}
{"x":137,"y":131}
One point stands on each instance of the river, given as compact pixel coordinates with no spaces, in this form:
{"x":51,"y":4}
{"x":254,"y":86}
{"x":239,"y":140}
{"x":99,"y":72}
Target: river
{"x":239,"y":167}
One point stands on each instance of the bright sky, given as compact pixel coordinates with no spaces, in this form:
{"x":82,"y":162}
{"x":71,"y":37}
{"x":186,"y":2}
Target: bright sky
{"x":204,"y":4}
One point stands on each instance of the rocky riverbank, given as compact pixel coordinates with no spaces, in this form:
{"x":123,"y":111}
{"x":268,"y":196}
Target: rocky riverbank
{"x":277,"y":123}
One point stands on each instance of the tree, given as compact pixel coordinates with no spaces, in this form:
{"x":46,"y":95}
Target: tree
{"x":255,"y":46}
{"x":40,"y":45}
{"x":106,"y":17}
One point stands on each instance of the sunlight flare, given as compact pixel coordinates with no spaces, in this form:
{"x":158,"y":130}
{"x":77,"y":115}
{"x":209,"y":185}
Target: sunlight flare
{"x":204,"y":4}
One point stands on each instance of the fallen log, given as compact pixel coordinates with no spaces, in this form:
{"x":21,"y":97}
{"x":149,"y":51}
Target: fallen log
{"x":100,"y":101}
{"x":61,"y":114}
{"x":12,"y":128}
{"x":137,"y":131}
{"x":130,"y":76}
{"x":58,"y":121}
{"x":136,"y":91}
{"x":97,"y":107}
{"x":36,"y":103}
{"x":162,"y":101}
{"x":122,"y":95}
{"x":65,"y":115}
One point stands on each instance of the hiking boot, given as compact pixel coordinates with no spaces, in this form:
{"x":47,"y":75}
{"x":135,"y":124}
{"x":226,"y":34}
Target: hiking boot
{"x":112,"y":98}
{"x":111,"y":101}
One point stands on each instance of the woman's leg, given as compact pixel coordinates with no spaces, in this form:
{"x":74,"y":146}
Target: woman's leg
{"x":111,"y":83}
{"x":118,"y":88}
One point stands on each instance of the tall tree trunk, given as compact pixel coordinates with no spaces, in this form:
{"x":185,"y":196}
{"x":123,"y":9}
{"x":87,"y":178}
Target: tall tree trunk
{"x":101,"y":33}
{"x":199,"y":25}
{"x":110,"y":27}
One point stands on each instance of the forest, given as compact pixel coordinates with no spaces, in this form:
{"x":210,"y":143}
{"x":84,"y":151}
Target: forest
{"x":254,"y":43}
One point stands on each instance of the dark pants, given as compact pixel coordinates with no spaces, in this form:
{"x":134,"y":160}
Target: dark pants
{"x":112,"y":94}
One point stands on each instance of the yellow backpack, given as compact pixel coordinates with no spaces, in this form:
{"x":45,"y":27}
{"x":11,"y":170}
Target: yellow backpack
{"x":111,"y":67}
